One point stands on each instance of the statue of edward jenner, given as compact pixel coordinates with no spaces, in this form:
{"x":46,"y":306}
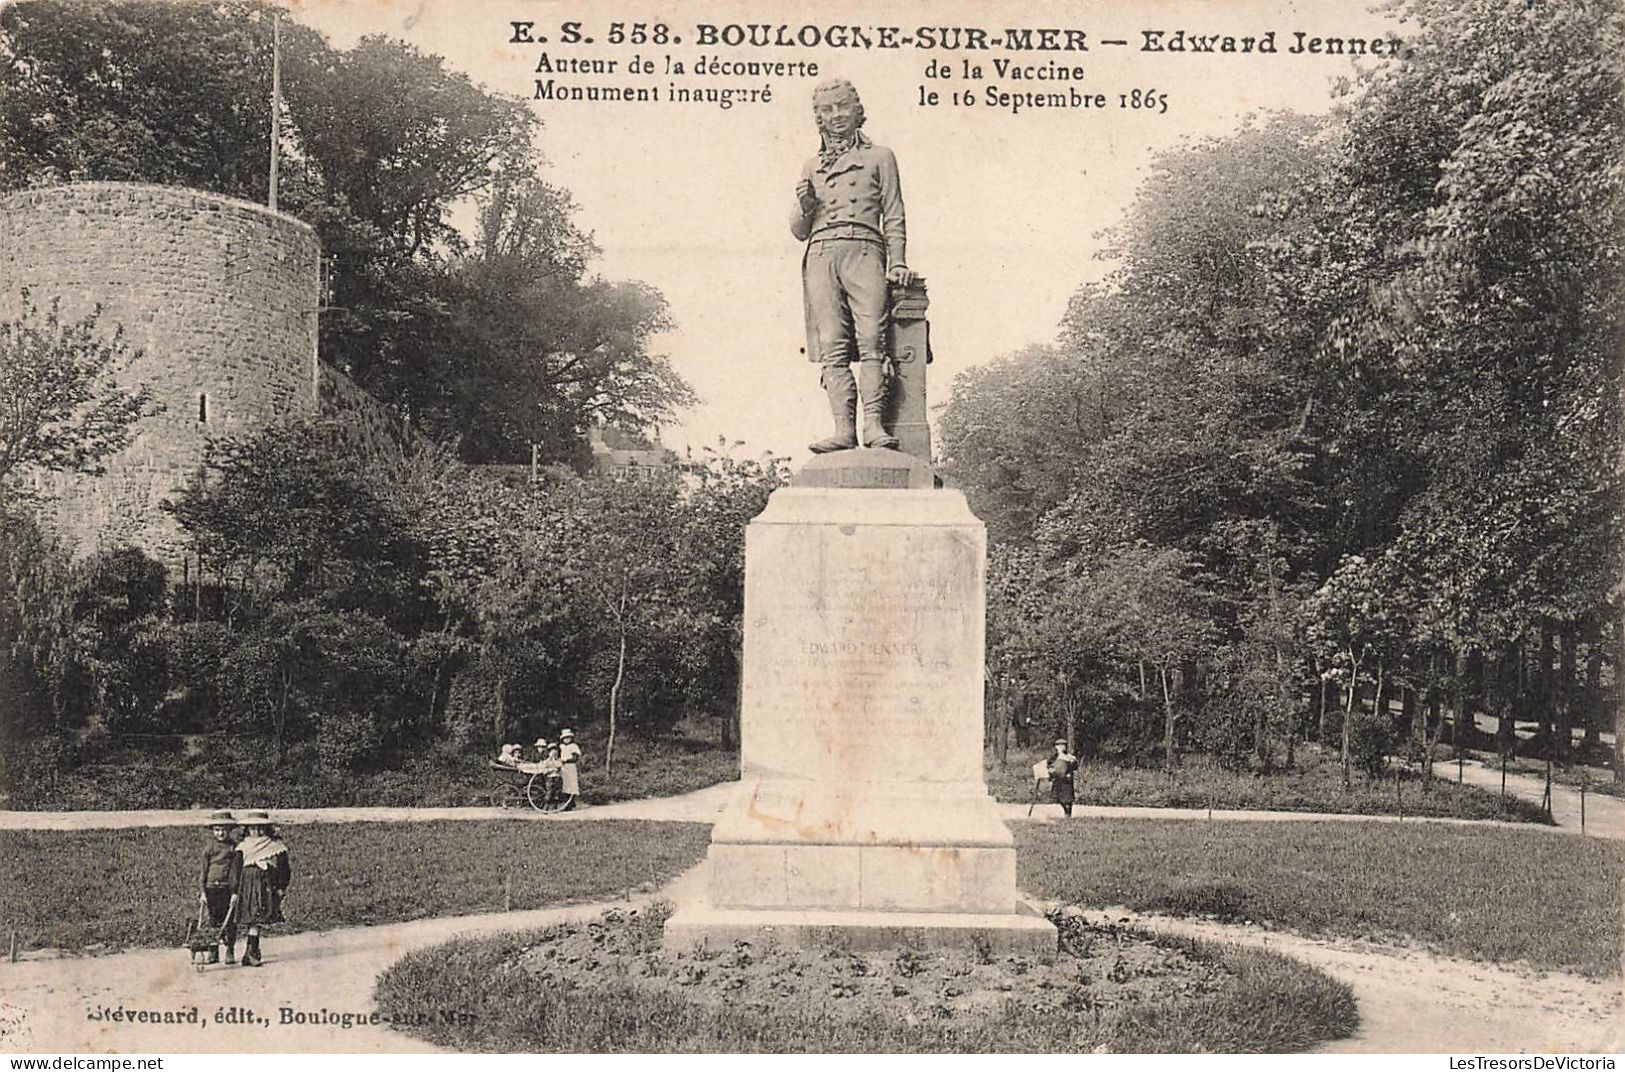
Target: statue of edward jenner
{"x":849,"y":211}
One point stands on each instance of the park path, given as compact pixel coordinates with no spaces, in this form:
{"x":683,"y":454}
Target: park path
{"x":1413,"y":1001}
{"x":1605,"y":815}
{"x":700,"y":806}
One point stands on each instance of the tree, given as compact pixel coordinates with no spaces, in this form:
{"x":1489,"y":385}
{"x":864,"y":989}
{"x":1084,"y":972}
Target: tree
{"x":1372,"y":356}
{"x":288,"y":513}
{"x":722,"y":495}
{"x":144,"y":91}
{"x":615,"y":546}
{"x":61,"y":405}
{"x":494,"y":338}
{"x":1164,"y":618}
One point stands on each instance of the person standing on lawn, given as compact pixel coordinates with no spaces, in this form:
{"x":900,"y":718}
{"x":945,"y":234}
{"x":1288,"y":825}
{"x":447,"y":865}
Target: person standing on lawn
{"x":263,"y":881}
{"x":570,"y":756}
{"x":217,"y":885}
{"x":1062,"y":765}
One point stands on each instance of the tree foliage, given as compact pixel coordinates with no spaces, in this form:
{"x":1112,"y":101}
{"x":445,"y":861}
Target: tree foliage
{"x":1361,"y":374}
{"x":62,"y":407}
{"x":493,"y":337}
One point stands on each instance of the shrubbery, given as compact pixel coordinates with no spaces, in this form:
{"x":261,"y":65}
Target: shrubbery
{"x":357,"y":612}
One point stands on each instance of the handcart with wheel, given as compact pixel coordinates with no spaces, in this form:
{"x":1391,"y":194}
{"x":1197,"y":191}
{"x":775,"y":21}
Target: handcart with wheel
{"x":513,"y":787}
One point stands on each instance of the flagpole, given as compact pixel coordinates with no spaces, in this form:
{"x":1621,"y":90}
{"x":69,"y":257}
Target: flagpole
{"x":276,"y":98}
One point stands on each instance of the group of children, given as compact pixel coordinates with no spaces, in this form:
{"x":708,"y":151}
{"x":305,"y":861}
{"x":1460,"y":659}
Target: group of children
{"x":244,"y":879}
{"x":559,"y":764}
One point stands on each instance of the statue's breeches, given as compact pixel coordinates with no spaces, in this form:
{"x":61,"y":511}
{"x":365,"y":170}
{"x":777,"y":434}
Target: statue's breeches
{"x":844,"y":288}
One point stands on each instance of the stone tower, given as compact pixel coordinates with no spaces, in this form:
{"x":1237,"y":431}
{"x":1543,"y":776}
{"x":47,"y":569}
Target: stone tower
{"x":219,"y":295}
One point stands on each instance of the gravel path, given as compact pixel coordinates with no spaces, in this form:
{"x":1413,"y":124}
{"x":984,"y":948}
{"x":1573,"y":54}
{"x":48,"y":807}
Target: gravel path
{"x":701,"y":806}
{"x":1605,"y":815}
{"x":1412,"y":1001}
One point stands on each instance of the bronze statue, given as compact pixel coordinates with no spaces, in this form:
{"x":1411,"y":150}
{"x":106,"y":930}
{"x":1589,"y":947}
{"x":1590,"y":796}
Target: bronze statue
{"x":849,"y":211}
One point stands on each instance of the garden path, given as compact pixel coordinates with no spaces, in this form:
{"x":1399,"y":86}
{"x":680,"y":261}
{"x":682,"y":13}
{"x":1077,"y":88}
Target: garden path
{"x":1605,"y":815}
{"x":1412,"y":1001}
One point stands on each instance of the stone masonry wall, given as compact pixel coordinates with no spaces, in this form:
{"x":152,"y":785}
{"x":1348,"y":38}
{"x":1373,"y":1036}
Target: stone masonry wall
{"x":362,"y":421}
{"x":221,"y":298}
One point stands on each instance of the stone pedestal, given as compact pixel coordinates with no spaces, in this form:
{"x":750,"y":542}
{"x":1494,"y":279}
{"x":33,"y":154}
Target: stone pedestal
{"x":862,"y":818}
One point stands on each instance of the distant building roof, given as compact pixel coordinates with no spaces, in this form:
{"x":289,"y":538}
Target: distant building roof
{"x":617,"y":452}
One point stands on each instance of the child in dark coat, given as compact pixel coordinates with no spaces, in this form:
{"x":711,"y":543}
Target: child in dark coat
{"x":262,"y":882}
{"x":217,"y":885}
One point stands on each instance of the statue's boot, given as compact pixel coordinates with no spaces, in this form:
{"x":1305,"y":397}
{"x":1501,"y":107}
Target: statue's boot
{"x":843,"y":404}
{"x":872,"y":391}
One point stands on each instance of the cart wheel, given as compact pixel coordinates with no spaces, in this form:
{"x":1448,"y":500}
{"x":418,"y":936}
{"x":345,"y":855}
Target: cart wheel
{"x":499,"y":798}
{"x":536,"y":792}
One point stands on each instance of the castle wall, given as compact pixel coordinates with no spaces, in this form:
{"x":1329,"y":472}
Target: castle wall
{"x":220,"y":296}
{"x":364,"y":423}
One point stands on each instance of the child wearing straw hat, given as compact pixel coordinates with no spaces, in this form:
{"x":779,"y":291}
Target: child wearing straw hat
{"x":570,"y":775}
{"x":217,"y":884}
{"x":263,"y":880}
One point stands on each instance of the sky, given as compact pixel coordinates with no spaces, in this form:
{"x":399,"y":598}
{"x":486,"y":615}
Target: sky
{"x":1004,"y":209}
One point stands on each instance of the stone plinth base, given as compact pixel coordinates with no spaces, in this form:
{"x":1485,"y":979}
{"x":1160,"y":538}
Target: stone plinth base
{"x":865,"y":467}
{"x":862,"y":819}
{"x":1024,"y":933}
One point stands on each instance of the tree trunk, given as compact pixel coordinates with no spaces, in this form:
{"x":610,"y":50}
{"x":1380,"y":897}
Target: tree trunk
{"x":736,"y":710}
{"x":1563,"y":710}
{"x":614,"y":699}
{"x":1408,"y":709}
{"x":1434,"y":716}
{"x":439,"y":675}
{"x":1379,"y":701}
{"x":1473,"y":687}
{"x":1068,"y":700}
{"x":500,"y":708}
{"x":1283,"y":688}
{"x":1512,"y":675}
{"x":1548,"y":693}
{"x":1326,"y":687}
{"x":1619,"y":708}
{"x":1348,"y":714}
{"x":1592,"y":717}
{"x":1431,"y":740}
{"x":1168,"y":720}
{"x":279,"y":735}
{"x":1465,"y":725}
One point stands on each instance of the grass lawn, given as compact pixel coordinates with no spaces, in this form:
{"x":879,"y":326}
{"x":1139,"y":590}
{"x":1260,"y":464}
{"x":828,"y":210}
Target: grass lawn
{"x":120,"y":888}
{"x":1315,"y":784}
{"x":607,"y":990}
{"x":691,"y":757}
{"x":1491,"y":894}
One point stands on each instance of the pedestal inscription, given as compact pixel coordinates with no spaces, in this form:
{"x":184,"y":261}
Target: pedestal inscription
{"x":858,"y":641}
{"x":862,"y":810}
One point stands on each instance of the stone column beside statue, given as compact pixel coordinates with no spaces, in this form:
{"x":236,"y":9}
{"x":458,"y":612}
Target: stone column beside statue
{"x":862,"y":819}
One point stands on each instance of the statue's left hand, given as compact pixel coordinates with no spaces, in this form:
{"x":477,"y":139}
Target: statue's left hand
{"x":899,"y":274}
